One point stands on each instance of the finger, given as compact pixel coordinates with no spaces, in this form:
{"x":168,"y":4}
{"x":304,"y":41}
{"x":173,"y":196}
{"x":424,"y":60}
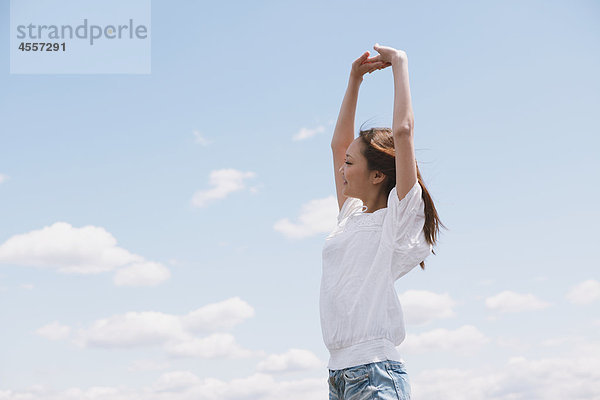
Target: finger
{"x":362,"y":58}
{"x":374,"y":59}
{"x":367,"y":61}
{"x":376,"y":67}
{"x":383,"y":65}
{"x":370,"y":67}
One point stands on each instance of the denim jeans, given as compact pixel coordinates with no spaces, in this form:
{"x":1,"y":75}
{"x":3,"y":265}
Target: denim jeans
{"x":385,"y":380}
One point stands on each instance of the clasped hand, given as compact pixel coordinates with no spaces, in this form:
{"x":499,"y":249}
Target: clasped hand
{"x":386,"y":57}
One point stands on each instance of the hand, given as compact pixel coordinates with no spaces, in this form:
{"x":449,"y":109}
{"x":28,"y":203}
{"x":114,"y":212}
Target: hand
{"x":387,"y":54}
{"x":361,"y":65}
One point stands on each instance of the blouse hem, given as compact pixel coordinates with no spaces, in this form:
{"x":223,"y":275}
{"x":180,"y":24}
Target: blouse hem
{"x":363,"y":353}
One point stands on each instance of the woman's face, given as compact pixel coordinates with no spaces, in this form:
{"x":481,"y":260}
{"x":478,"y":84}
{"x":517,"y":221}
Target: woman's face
{"x":354,"y":171}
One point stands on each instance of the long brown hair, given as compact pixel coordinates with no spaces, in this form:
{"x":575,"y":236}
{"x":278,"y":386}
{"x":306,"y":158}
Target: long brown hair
{"x":380,"y":155}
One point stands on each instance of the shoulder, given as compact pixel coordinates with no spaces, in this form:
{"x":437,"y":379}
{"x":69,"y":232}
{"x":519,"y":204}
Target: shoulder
{"x":415,"y":192}
{"x":350,"y":206}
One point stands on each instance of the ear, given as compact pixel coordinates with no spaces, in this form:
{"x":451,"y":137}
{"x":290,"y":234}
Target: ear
{"x":378,"y":177}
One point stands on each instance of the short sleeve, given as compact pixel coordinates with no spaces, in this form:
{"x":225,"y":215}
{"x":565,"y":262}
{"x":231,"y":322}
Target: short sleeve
{"x":351,"y":204}
{"x":403,"y":230}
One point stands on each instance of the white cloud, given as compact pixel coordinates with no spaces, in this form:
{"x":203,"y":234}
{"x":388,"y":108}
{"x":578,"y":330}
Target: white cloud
{"x":54,"y":331}
{"x":217,"y":345}
{"x":148,"y":365}
{"x":305,"y":133}
{"x":316,"y":216}
{"x":508,"y":301}
{"x":292,"y":360}
{"x":201,"y":139}
{"x":28,"y":286}
{"x":223,"y":182}
{"x":132,"y":329}
{"x":574,"y":376}
{"x":173,"y":332}
{"x":86,"y":250}
{"x":557,"y":341}
{"x":572,"y":345}
{"x":185,"y":385}
{"x":218,"y":316}
{"x":3,"y":178}
{"x":513,"y":343}
{"x":176,"y":381}
{"x":142,"y":274}
{"x":420,"y":307}
{"x":552,"y":378}
{"x":464,"y":340}
{"x":584,"y":293}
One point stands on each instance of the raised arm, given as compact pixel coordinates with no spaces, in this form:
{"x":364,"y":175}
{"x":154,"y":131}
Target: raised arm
{"x":403,"y":122}
{"x":343,"y":133}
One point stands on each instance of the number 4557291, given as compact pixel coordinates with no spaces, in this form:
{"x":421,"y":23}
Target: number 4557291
{"x":42,"y":46}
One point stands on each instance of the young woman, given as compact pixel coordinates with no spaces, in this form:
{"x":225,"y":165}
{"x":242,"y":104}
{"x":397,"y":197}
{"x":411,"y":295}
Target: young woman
{"x":386,"y":226}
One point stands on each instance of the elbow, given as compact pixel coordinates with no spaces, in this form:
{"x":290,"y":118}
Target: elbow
{"x":405,"y":128}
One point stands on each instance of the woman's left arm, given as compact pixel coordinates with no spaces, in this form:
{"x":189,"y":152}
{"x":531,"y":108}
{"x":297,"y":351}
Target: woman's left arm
{"x":403,"y":121}
{"x":402,"y":128}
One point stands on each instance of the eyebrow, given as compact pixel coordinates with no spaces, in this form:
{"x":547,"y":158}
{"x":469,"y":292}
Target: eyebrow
{"x":348,"y":155}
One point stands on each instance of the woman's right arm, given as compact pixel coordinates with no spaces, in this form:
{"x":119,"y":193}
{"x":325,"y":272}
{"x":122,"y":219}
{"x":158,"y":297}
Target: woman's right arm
{"x":343,"y":133}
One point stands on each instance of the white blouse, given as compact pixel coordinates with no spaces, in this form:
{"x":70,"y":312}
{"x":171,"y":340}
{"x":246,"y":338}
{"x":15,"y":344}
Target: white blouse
{"x":361,"y":315}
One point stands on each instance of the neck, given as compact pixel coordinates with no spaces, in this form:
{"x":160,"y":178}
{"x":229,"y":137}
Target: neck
{"x":375,"y":203}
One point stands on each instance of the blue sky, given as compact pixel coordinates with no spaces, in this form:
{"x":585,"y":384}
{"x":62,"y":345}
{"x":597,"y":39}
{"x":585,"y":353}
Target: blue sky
{"x":161,"y":234}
